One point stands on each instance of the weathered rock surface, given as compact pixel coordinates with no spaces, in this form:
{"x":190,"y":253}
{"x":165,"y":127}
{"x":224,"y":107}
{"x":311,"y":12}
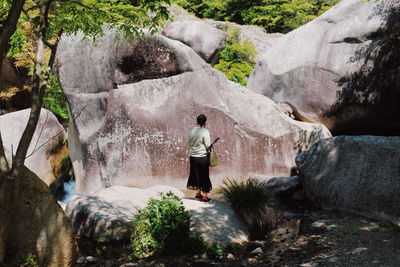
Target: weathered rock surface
{"x":39,"y":227}
{"x":341,"y":69}
{"x":136,"y":133}
{"x":47,"y":142}
{"x":108,"y":213}
{"x":359,"y":174}
{"x":207,"y":37}
{"x":203,"y":38}
{"x":284,"y":185}
{"x":216,"y":221}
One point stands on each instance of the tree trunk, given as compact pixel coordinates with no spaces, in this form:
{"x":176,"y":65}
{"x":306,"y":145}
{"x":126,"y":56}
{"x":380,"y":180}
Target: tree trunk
{"x":6,"y":184}
{"x":8,"y":29}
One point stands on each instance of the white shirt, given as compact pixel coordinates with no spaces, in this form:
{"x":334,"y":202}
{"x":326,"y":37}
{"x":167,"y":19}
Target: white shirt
{"x":199,"y":139}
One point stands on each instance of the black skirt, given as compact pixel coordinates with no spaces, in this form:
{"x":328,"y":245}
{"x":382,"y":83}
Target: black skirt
{"x":199,"y":177}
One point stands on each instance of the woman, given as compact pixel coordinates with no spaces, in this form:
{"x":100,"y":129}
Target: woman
{"x":199,"y":142}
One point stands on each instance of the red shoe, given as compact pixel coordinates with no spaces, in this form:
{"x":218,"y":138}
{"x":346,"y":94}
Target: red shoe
{"x":206,"y":199}
{"x":199,"y":195}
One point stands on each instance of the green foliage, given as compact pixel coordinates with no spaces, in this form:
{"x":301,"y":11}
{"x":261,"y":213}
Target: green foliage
{"x":17,"y":43}
{"x":55,"y":99}
{"x":89,"y":17}
{"x":214,"y":251}
{"x":274,"y":15}
{"x":254,"y":202}
{"x":163,"y":226}
{"x":237,"y":59}
{"x":65,"y":166}
{"x":29,"y":260}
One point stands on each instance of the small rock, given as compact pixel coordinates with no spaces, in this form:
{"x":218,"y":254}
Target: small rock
{"x":92,"y":259}
{"x":259,"y":243}
{"x":358,"y":250}
{"x":230,"y":256}
{"x":375,"y":262}
{"x":252,"y":260}
{"x":331,"y":227}
{"x":195,"y":257}
{"x":319,"y":223}
{"x":81,"y":260}
{"x":257,"y":251}
{"x":220,"y":257}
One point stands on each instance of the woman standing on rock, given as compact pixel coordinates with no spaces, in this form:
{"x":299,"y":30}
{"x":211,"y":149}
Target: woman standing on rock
{"x":199,"y":143}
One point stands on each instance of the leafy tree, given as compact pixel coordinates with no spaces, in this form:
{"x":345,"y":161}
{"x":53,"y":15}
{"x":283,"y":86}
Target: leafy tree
{"x":55,"y":100}
{"x":49,"y":19}
{"x":237,"y":59}
{"x":274,"y":15}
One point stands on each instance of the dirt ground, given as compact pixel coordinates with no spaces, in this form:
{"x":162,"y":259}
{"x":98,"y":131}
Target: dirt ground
{"x":304,"y":238}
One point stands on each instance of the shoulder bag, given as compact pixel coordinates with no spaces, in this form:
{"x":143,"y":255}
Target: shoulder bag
{"x":212,"y":155}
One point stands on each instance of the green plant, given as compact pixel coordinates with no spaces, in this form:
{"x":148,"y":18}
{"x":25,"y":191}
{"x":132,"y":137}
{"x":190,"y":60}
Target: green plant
{"x":215,"y":250}
{"x":55,"y":99}
{"x":65,"y":165}
{"x":274,"y":15}
{"x":30,"y":261}
{"x":101,"y":241}
{"x":237,"y":59}
{"x":254,"y":202}
{"x":163,"y":227}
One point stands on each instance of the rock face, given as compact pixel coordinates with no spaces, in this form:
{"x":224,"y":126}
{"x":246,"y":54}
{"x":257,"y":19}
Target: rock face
{"x":341,"y":69}
{"x":108,"y":213}
{"x":203,"y":38}
{"x":44,"y":161}
{"x":216,"y":221}
{"x":207,"y":37}
{"x":135,"y":133}
{"x":39,"y":226}
{"x":359,"y":174}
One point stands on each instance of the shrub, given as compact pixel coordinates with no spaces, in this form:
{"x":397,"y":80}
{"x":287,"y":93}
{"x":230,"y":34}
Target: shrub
{"x":55,"y":99}
{"x":254,"y":202}
{"x":237,"y":59}
{"x":163,"y":227}
{"x":273,"y":15}
{"x":214,"y":251}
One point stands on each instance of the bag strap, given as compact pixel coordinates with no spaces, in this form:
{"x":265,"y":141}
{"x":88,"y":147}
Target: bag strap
{"x":210,"y":148}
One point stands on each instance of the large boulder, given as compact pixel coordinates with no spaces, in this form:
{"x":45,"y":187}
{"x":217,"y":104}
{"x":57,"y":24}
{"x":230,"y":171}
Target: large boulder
{"x":134,"y":131}
{"x":47,"y":146}
{"x":359,"y":174}
{"x":341,"y":69}
{"x":207,"y":37}
{"x":109,"y":214}
{"x":202,"y":37}
{"x":216,"y":221}
{"x":39,"y":227}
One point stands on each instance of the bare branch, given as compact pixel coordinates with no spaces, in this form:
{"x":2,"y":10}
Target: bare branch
{"x":72,"y":120}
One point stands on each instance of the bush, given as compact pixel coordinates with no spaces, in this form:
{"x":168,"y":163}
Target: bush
{"x":254,"y":202}
{"x":214,"y":251}
{"x":163,"y":227}
{"x":274,"y":15}
{"x":55,"y":100}
{"x":237,"y":59}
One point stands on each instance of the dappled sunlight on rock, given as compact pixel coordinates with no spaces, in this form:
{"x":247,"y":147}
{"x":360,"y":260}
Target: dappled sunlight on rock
{"x":216,"y":221}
